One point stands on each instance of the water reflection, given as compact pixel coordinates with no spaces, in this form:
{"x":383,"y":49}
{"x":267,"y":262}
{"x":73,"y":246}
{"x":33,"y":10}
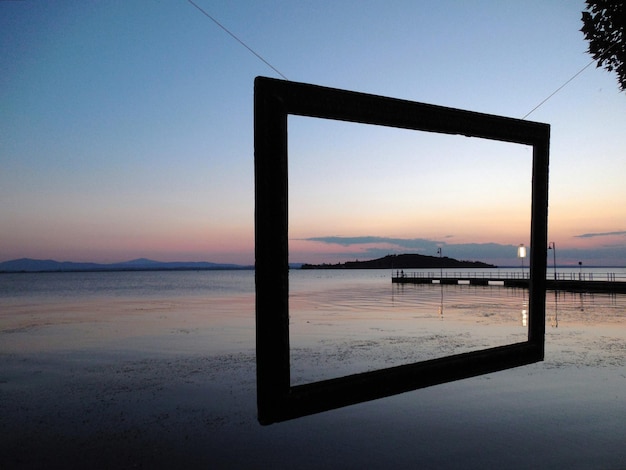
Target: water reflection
{"x":499,"y":305}
{"x":353,"y":325}
{"x":441,"y":304}
{"x":569,"y":308}
{"x":524,"y":309}
{"x":554,"y":318}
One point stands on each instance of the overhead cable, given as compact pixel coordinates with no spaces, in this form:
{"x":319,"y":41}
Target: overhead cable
{"x":237,"y":39}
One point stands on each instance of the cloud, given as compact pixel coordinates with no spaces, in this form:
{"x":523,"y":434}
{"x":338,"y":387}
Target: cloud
{"x":601,"y":234}
{"x":465,"y":251}
{"x":371,"y":247}
{"x":411,"y":243}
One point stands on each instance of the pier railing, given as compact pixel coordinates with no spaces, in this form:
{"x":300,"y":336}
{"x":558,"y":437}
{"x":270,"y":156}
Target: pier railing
{"x":504,"y":275}
{"x":609,"y":277}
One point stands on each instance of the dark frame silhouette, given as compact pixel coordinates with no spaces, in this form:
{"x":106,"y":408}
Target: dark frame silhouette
{"x":274,"y":100}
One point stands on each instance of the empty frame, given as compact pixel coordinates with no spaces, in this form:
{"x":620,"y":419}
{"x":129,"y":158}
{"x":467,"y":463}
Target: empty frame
{"x":274,"y":101}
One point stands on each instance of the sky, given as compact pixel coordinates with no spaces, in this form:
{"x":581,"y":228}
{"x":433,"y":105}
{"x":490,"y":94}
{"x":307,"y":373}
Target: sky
{"x":126,"y":130}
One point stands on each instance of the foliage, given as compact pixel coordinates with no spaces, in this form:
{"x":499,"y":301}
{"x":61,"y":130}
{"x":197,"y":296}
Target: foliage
{"x":603,"y":26}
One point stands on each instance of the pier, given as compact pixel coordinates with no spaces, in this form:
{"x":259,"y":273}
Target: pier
{"x":575,"y":282}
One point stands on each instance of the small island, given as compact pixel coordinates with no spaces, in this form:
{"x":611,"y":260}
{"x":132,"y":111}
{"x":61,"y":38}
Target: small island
{"x":406,"y":261}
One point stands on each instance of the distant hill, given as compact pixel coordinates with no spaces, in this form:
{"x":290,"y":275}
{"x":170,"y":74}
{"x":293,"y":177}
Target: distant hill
{"x":141,"y":264}
{"x":407,"y":261}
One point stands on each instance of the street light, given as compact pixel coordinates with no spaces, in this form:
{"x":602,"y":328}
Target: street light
{"x":552,"y":246}
{"x":440,"y":280}
{"x":440,"y":263}
{"x":521,"y":253}
{"x":580,"y":272}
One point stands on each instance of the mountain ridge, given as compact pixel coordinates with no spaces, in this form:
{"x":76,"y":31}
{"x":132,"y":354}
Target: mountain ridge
{"x":138,"y":264}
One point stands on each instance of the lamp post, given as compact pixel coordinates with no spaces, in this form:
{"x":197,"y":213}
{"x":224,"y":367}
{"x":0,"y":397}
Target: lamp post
{"x":580,"y":270}
{"x":440,"y":280}
{"x":552,"y":246}
{"x":440,"y":263}
{"x":521,"y":253}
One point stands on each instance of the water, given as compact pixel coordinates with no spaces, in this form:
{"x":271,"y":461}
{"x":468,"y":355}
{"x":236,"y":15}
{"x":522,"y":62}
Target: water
{"x":167,"y":312}
{"x":351,"y":295}
{"x":157,"y":369}
{"x":206,"y":283}
{"x":341,"y":321}
{"x":131,"y":284}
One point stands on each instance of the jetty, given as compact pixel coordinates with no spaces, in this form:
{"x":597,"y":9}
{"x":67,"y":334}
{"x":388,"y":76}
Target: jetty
{"x":575,"y":282}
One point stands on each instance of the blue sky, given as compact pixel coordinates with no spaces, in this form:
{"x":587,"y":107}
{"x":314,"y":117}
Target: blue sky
{"x":126,"y":130}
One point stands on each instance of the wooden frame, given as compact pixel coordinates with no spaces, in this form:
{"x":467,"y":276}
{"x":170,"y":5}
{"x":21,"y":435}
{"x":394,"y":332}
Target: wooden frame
{"x":274,"y":100}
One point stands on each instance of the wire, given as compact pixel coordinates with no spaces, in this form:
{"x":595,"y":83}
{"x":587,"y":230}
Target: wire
{"x":283,"y":76}
{"x":558,"y":89}
{"x":562,"y":86}
{"x":237,"y":39}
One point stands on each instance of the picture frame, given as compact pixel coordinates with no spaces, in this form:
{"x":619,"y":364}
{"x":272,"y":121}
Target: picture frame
{"x":274,"y":101}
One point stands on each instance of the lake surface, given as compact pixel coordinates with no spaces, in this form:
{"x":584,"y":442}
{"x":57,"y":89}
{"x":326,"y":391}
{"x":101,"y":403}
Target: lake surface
{"x":157,"y":369}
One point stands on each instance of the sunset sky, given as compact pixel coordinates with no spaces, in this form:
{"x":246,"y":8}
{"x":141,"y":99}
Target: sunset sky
{"x":126,"y":130}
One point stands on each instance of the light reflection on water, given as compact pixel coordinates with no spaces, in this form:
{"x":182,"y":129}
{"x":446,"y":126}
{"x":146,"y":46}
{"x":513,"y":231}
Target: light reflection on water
{"x":94,"y":365}
{"x":341,"y":321}
{"x":344,"y":323}
{"x":351,"y":328}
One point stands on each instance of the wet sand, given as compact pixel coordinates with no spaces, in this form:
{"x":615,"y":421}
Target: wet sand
{"x":176,"y":389}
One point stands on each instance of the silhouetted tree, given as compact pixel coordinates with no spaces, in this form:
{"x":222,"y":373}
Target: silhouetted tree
{"x":603,"y":26}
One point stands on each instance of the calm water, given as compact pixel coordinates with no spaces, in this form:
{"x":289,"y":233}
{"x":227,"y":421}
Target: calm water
{"x":356,"y":315}
{"x":158,"y":369}
{"x":349,"y":293}
{"x":140,"y":284}
{"x":155,"y":284}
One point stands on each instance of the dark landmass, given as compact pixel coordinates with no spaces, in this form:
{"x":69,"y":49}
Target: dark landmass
{"x":408,"y":261}
{"x":27,"y":265}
